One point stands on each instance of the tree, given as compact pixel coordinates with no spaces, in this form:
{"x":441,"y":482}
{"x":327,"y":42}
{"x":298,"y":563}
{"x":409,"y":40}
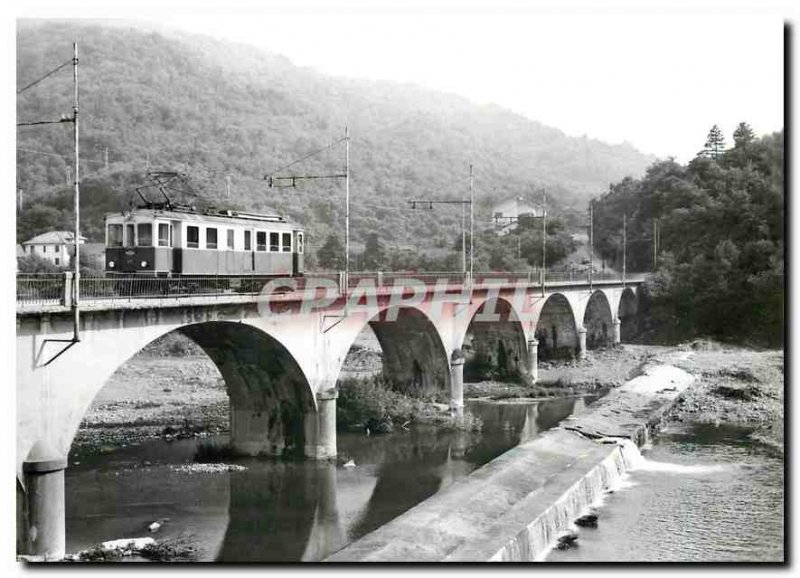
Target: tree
{"x":36,"y":264}
{"x":715,"y":143}
{"x":743,"y":135}
{"x":374,"y":256}
{"x":331,"y":255}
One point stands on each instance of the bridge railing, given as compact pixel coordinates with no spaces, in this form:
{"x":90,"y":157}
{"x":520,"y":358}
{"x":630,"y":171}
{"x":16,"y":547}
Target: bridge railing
{"x":41,"y":289}
{"x":35,"y":290}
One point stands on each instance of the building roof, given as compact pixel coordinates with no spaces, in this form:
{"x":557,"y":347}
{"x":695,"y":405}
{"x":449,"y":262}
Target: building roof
{"x":514,"y":207}
{"x":54,"y":238}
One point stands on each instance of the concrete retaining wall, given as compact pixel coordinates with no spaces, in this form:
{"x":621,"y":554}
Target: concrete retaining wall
{"x":514,"y":507}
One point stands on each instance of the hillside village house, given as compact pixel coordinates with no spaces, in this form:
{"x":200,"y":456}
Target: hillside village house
{"x":55,"y":246}
{"x":505,"y":214}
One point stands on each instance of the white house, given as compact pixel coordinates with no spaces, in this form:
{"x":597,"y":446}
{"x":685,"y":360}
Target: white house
{"x":505,"y":214}
{"x":55,"y":246}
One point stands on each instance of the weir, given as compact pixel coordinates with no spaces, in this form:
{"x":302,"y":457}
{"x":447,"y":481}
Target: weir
{"x":515,"y":507}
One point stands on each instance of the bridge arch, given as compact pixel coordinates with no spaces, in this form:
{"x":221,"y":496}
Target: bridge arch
{"x":627,"y":313}
{"x":556,"y":329}
{"x":494,"y":342}
{"x":270,"y":396}
{"x":598,"y":321}
{"x":415,"y":358}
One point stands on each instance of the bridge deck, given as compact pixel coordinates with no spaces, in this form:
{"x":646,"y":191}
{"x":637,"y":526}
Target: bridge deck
{"x":52,"y":293}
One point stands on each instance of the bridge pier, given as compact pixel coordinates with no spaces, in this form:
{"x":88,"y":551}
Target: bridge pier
{"x":43,"y":522}
{"x":320,"y":427}
{"x":582,"y":343}
{"x":617,"y":331}
{"x":457,"y":382}
{"x":533,"y":359}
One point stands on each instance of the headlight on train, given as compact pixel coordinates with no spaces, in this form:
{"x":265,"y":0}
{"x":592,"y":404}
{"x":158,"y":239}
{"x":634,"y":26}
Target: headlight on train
{"x":144,"y":264}
{"x":111,"y":264}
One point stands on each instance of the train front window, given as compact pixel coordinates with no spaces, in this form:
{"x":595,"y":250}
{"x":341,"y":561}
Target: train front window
{"x":274,"y":242}
{"x":144,"y":231}
{"x":261,"y":241}
{"x":192,"y":237}
{"x":230,"y":239}
{"x":163,"y":235}
{"x":115,"y":235}
{"x":300,"y":243}
{"x":287,"y":243}
{"x":247,"y":241}
{"x":130,"y":235}
{"x":211,"y":238}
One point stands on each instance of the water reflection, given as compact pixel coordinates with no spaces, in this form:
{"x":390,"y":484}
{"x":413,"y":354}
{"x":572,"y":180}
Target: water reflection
{"x":292,"y":511}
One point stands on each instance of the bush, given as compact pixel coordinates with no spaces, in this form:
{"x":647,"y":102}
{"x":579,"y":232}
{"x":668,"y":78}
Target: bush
{"x":372,"y":400}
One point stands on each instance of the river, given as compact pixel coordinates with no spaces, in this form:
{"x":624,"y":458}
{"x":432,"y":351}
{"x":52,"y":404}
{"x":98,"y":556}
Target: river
{"x":700,"y":494}
{"x":278,"y":510}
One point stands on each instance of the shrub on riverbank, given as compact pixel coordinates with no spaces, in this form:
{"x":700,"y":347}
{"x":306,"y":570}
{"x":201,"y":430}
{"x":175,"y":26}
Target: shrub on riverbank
{"x":372,"y":401}
{"x":372,"y":404}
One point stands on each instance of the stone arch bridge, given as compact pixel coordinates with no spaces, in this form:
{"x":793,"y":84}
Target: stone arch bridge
{"x":280,"y":351}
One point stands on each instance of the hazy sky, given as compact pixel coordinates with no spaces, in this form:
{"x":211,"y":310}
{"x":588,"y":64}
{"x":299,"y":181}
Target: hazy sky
{"x":657,"y":78}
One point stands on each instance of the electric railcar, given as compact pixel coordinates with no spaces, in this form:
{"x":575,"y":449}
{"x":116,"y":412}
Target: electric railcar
{"x":172,"y":241}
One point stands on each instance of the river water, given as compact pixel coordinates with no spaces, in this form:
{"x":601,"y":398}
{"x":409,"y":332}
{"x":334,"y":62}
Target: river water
{"x":700,"y":494}
{"x":279,"y":510}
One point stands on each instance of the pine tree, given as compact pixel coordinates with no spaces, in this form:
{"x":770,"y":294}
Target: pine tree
{"x":715,"y":143}
{"x":743,"y":135}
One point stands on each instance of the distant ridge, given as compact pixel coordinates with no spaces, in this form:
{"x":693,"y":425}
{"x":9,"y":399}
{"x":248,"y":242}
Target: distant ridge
{"x":225,"y":111}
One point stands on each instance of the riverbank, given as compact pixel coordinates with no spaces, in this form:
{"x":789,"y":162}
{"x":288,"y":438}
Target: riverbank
{"x":735,"y":386}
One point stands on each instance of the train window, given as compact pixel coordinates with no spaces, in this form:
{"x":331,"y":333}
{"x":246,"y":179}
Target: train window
{"x":274,"y":242}
{"x":287,"y":243}
{"x":163,"y":235}
{"x":115,"y":235}
{"x":211,"y":238}
{"x":261,"y":241}
{"x":230,"y":239}
{"x":192,"y":237}
{"x":247,"y":241}
{"x":130,"y":235}
{"x":144,"y":231}
{"x":300,"y":243}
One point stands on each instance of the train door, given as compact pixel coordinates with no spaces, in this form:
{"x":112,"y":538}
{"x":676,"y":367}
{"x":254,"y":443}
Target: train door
{"x":129,"y":259}
{"x":249,"y":255}
{"x":297,"y":256}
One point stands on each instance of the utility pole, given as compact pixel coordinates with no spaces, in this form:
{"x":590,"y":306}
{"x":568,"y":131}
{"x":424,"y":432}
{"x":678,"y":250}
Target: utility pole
{"x":105,"y":156}
{"x":591,"y":242}
{"x":346,"y":209}
{"x":77,"y":272}
{"x":624,"y":247}
{"x":463,"y":235}
{"x":274,"y":181}
{"x":655,"y":244}
{"x":471,"y":226}
{"x":544,"y":238}
{"x":19,"y":199}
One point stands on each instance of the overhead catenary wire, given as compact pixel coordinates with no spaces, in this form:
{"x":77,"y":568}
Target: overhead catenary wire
{"x":51,"y":73}
{"x":306,"y":157}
